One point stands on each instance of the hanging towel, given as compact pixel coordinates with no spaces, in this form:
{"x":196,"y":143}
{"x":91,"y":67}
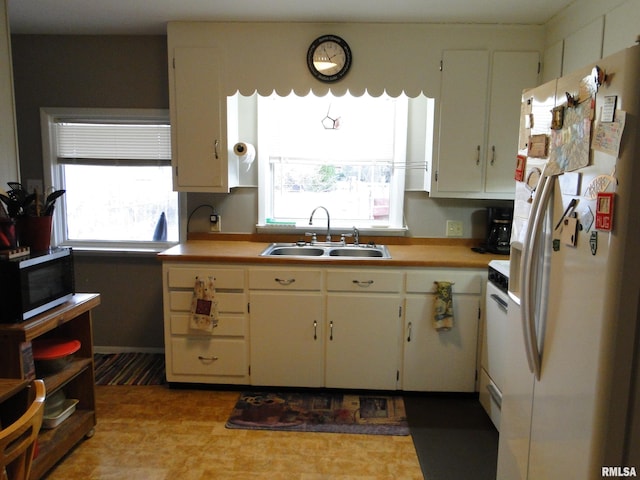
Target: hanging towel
{"x":204,"y":306}
{"x":443,"y":307}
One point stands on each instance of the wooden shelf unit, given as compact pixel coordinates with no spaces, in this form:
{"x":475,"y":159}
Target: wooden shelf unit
{"x":70,"y":320}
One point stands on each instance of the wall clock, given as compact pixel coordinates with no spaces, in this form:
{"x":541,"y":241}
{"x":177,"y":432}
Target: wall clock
{"x":329,"y":58}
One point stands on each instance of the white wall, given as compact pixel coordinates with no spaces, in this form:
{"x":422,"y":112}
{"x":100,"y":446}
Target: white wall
{"x":586,"y":31}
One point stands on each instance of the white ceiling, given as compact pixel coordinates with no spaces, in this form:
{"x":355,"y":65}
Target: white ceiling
{"x":120,"y":17}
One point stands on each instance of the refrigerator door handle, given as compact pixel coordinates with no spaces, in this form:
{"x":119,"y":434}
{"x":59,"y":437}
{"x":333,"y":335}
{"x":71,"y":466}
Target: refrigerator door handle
{"x":533,"y":236}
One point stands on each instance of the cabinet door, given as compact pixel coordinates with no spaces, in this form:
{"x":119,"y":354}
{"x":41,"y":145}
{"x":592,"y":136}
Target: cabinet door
{"x":440,"y":361}
{"x":286,"y":339}
{"x":463,"y":105}
{"x":362,"y":341}
{"x":512,"y":73}
{"x":199,"y":146}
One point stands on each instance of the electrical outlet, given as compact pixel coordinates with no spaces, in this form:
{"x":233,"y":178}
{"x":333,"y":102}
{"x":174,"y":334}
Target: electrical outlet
{"x":33,"y":184}
{"x":215,"y":222}
{"x":454,"y":228}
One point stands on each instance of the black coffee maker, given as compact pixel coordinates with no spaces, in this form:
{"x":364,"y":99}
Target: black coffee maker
{"x":499,"y":229}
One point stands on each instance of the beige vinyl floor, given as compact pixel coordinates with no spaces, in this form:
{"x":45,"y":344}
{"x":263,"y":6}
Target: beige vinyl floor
{"x":154,"y":432}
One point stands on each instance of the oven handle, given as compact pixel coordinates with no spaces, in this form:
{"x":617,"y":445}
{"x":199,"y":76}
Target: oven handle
{"x":495,"y":395}
{"x":504,"y":306}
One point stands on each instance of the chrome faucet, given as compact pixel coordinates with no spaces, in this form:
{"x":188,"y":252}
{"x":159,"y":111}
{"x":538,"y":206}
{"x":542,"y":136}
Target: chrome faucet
{"x":328,"y":221}
{"x":356,"y":236}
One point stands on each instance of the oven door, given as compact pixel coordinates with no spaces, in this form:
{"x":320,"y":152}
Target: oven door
{"x":493,"y":357}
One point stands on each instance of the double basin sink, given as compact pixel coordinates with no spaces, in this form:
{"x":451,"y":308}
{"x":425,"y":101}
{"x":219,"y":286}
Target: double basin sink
{"x":325,"y":250}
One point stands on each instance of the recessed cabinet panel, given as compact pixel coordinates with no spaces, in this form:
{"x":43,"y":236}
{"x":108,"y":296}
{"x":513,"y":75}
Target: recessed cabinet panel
{"x":207,"y":356}
{"x":228,"y":325}
{"x":362,"y":341}
{"x":440,"y":361}
{"x":285,"y":279}
{"x":465,"y":79}
{"x":184,"y":277}
{"x":199,"y":146}
{"x":363,"y":281}
{"x":479,"y":121}
{"x":512,"y":73}
{"x":287,"y":343}
{"x":227,"y":302}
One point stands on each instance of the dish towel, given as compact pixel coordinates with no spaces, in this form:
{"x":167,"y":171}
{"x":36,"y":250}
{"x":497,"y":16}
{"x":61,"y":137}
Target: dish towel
{"x":204,"y":306}
{"x":443,"y":307}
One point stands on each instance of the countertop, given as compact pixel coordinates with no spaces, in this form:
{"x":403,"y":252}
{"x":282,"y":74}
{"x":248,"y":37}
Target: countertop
{"x":428,"y":254}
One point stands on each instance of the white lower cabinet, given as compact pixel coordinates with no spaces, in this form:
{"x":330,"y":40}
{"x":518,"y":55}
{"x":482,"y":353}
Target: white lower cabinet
{"x":441,"y":360}
{"x":286,"y":322}
{"x":195,"y":356}
{"x":361,"y":328}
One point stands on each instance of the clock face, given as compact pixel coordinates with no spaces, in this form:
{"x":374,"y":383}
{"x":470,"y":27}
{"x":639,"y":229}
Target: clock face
{"x":329,"y":58}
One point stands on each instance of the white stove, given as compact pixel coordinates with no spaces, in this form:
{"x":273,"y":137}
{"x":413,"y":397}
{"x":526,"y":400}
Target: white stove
{"x":494,"y":339}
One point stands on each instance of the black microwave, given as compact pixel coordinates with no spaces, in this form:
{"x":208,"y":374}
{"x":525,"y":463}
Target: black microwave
{"x":33,"y":284}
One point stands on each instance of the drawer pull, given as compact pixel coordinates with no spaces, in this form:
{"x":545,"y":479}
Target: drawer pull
{"x":409,"y":332}
{"x":315,"y":329}
{"x":331,"y":330}
{"x":285,"y":281}
{"x":364,"y":284}
{"x":207,"y":360}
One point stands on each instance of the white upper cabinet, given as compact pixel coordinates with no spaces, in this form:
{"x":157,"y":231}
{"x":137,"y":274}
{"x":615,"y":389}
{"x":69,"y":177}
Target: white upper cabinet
{"x":198,"y":121}
{"x":479,"y":121}
{"x":9,"y":169}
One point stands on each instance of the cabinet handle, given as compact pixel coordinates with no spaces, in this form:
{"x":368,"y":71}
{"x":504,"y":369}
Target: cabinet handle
{"x":315,"y":330}
{"x":364,"y":284}
{"x":284,"y":281}
{"x":493,"y":154}
{"x":207,"y":360}
{"x":331,"y":330}
{"x":409,"y":332}
{"x":478,"y":156}
{"x":216,"y":143}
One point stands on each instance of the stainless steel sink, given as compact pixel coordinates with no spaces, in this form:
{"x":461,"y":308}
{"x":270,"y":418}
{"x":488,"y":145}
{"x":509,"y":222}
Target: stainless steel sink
{"x":326,"y":250}
{"x":294,"y":251}
{"x":367,"y":252}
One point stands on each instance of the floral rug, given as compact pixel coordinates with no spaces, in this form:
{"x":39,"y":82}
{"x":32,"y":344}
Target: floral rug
{"x":320,"y":412}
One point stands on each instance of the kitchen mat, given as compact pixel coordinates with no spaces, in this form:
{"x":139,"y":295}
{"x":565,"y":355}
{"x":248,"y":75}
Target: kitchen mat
{"x":320,"y":412}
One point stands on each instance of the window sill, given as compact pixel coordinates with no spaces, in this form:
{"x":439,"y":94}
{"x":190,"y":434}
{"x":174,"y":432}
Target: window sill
{"x":335,"y":231}
{"x":119,"y":250}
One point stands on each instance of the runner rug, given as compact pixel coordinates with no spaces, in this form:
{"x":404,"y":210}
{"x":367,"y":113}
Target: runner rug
{"x":320,"y":412}
{"x":129,"y":368}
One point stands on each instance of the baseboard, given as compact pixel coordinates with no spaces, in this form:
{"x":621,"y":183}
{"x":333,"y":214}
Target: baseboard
{"x":114,"y":349}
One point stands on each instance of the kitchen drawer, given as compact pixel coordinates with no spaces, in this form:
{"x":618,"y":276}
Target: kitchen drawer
{"x":363,"y":281}
{"x":490,"y":398}
{"x":207,"y":356}
{"x":180,"y":301}
{"x":228,"y":325}
{"x":465,"y":281}
{"x":285,"y":279}
{"x":226,"y":278}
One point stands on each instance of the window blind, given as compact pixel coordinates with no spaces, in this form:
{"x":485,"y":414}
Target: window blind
{"x":113,"y":143}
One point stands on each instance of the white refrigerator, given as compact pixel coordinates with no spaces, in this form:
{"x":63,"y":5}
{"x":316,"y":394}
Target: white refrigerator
{"x":571,"y":396}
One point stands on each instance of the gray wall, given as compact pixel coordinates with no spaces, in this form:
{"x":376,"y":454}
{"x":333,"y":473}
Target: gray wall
{"x":97,"y":71}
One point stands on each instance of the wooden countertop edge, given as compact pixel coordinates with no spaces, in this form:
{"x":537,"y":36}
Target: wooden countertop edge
{"x":457,"y":255}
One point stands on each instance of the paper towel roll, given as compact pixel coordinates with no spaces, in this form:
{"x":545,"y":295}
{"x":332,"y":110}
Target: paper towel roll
{"x":246,"y":152}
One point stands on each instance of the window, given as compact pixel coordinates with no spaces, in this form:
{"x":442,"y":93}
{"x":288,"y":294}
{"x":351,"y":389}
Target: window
{"x":115,"y":166}
{"x":344,"y":153}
